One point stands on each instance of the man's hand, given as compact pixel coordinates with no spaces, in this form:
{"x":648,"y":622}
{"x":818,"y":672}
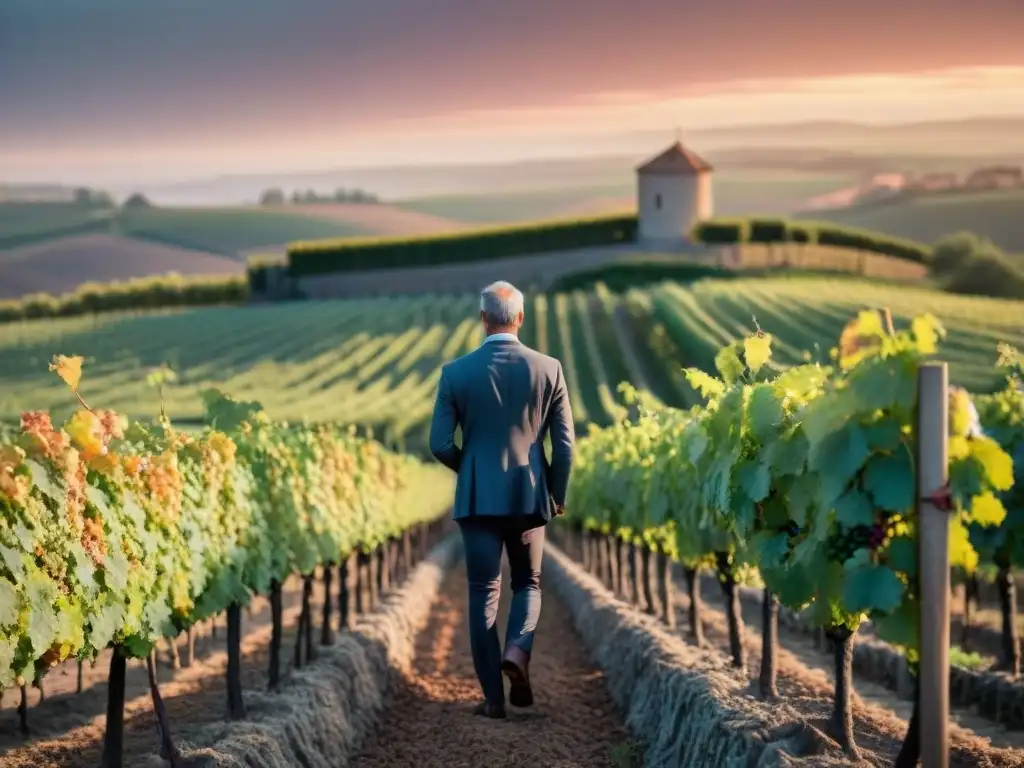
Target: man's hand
{"x":559,"y":509}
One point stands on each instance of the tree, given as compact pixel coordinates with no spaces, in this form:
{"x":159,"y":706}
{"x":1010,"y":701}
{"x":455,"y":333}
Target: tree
{"x":272,"y":196}
{"x":953,"y":251}
{"x":136,"y":201}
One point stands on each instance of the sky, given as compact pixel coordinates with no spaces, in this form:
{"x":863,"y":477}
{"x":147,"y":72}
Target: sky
{"x":111,"y":89}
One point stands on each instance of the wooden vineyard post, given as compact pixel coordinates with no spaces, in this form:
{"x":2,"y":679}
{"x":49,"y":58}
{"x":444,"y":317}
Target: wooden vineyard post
{"x":346,"y":573}
{"x":326,"y":630}
{"x":276,"y":630}
{"x":933,"y":561}
{"x":113,"y":736}
{"x":236,"y":706}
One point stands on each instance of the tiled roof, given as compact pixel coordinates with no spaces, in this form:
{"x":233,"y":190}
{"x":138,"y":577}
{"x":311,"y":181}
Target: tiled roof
{"x":677,"y":159}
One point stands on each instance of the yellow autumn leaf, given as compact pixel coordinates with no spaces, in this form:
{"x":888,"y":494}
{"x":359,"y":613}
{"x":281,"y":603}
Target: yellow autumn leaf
{"x":927,"y":331}
{"x":860,"y":338}
{"x":69,"y":368}
{"x":757,"y":350}
{"x":997,"y":463}
{"x":961,"y":553}
{"x":959,"y":448}
{"x":986,"y":509}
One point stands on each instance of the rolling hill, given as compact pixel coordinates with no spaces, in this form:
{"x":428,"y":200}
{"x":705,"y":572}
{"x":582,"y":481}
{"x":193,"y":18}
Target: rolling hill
{"x":997,"y":215}
{"x":376,"y":361}
{"x":736,"y":192}
{"x":61,"y":265}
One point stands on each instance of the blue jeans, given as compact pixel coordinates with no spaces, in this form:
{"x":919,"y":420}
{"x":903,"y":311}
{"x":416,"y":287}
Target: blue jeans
{"x":483,"y":539}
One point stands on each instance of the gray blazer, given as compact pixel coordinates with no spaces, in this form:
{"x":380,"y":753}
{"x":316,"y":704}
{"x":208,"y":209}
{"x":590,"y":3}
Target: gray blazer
{"x":507,"y":398}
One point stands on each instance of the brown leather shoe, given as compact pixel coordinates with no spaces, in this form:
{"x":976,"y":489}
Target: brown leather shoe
{"x":493,"y":711}
{"x":516,"y":666}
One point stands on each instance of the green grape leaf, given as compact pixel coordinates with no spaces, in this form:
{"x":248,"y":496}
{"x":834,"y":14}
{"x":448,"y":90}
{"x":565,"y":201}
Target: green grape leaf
{"x":8,"y":650}
{"x":12,"y":559}
{"x":824,"y":417}
{"x":794,"y":585}
{"x":42,"y":619}
{"x":138,"y":647}
{"x":854,"y":508}
{"x":8,"y":603}
{"x":884,"y":435}
{"x":771,"y":549}
{"x":755,"y":480}
{"x":890,"y":481}
{"x":775,"y":511}
{"x":801,"y":497}
{"x":902,"y":555}
{"x":787,"y":456}
{"x":872,"y":589}
{"x":25,"y":537}
{"x":764,"y":410}
{"x":728,"y":364}
{"x":902,"y":627}
{"x":841,"y":454}
{"x":115,"y":569}
{"x":966,"y":479}
{"x":41,"y":480}
{"x":883,"y":384}
{"x":104,"y":624}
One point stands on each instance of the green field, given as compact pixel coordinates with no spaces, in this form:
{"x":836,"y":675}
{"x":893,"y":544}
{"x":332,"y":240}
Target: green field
{"x":23,"y":223}
{"x":229,"y":231}
{"x":376,"y":361}
{"x":519,"y":206}
{"x":736,"y":192}
{"x":997,"y":215}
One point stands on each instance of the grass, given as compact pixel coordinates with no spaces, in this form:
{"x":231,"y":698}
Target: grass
{"x":995,"y":215}
{"x":958,"y":657}
{"x":376,"y":361}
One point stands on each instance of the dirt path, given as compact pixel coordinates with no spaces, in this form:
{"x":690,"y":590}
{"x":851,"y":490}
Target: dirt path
{"x":805,"y":680}
{"x":429,"y":723}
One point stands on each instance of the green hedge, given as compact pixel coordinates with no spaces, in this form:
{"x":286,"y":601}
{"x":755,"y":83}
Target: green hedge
{"x":621,"y":276}
{"x":321,"y":257}
{"x":774,"y":230}
{"x":143,"y":293}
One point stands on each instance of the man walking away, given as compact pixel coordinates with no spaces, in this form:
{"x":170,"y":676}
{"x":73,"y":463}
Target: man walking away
{"x":506,"y":398}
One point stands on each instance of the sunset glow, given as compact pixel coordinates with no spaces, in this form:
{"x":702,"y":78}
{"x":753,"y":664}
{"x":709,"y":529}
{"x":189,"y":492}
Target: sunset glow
{"x":495,"y":135}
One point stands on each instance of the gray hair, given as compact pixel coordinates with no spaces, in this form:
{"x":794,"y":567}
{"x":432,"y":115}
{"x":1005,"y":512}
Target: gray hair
{"x":501,"y":303}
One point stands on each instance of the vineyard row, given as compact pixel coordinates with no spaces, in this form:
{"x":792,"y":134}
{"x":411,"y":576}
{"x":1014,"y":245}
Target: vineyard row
{"x":116,"y":534}
{"x":805,"y":476}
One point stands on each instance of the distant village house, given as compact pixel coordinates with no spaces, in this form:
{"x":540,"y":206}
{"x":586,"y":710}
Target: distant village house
{"x":995,"y":177}
{"x":936,"y":182}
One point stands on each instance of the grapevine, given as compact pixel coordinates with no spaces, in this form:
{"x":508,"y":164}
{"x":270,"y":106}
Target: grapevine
{"x":118,"y":534}
{"x":807,"y":474}
{"x":1001,"y":415}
